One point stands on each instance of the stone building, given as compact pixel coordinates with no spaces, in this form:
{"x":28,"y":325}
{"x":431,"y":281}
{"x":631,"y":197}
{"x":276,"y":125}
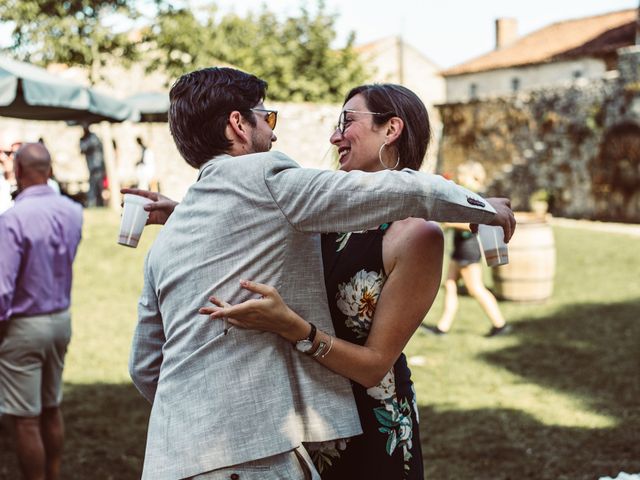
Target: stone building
{"x":579,"y":144}
{"x":392,"y":60}
{"x":558,"y":54}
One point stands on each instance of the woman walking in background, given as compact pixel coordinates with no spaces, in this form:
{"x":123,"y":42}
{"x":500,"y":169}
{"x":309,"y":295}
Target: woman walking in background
{"x":465,"y":264}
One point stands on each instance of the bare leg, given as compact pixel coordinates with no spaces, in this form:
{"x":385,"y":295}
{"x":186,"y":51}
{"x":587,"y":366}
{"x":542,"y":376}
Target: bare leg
{"x":472,"y":277}
{"x":451,"y":297}
{"x":29,"y":446}
{"x":53,"y":439}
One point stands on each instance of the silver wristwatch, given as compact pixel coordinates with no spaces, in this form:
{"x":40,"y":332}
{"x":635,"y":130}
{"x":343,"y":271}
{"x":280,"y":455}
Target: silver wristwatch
{"x":306,"y":344}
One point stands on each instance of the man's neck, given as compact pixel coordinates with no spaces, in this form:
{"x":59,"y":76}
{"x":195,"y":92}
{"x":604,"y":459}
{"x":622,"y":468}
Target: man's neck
{"x":237,"y":150}
{"x":23,"y":184}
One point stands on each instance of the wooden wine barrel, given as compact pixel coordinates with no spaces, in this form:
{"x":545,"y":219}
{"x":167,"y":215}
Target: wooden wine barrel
{"x":528,"y":277}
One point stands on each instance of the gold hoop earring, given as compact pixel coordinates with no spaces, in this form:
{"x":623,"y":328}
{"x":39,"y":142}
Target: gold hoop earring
{"x":382,"y":163}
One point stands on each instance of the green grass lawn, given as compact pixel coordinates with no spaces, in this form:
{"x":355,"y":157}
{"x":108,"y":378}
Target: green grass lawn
{"x":557,"y":399}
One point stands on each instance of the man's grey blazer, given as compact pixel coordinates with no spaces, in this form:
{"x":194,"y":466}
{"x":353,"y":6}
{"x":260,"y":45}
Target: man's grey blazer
{"x":219,"y":400}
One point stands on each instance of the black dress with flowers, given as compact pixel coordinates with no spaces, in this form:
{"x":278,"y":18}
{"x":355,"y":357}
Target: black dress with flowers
{"x":389,"y":448}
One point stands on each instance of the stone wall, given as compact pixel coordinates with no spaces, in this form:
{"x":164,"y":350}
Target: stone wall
{"x":303,"y":129}
{"x":580,"y":144}
{"x":303,"y":133}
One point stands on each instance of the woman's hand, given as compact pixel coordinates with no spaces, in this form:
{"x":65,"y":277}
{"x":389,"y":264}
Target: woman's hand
{"x":161,"y":207}
{"x":268,"y":313}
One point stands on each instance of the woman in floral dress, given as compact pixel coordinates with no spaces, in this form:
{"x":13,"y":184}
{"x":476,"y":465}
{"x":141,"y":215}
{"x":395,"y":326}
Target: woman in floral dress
{"x":380,"y":285}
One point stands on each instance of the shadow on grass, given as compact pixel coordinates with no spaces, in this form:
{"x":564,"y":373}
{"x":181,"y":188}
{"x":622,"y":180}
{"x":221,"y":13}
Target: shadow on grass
{"x":505,"y":444}
{"x":106,"y":429}
{"x":587,"y":351}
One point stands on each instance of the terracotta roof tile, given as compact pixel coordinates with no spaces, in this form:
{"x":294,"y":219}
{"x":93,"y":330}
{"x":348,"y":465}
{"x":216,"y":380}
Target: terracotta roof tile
{"x":596,"y":35}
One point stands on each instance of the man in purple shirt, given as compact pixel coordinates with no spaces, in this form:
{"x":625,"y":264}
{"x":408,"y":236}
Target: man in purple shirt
{"x":39,"y":238}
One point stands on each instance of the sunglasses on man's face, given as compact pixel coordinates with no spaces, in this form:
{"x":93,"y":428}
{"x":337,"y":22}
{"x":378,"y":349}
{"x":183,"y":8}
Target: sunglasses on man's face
{"x":271,"y":116}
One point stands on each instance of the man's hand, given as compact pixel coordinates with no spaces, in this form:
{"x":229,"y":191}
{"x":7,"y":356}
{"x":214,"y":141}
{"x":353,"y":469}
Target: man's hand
{"x":504,"y":217}
{"x":159,"y":210}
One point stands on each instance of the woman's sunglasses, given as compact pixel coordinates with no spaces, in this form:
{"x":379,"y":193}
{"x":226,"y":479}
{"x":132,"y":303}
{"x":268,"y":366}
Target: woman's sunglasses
{"x":271,"y":116}
{"x":343,"y":121}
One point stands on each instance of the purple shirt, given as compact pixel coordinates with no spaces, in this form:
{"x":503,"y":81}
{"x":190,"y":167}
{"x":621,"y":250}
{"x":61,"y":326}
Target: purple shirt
{"x":39,"y":237}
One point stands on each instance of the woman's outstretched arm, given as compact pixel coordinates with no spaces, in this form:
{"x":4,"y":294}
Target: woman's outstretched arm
{"x":413,"y":257}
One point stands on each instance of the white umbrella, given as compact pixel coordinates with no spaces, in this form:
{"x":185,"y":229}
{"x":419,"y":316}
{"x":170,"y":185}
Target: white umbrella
{"x":153,"y":106}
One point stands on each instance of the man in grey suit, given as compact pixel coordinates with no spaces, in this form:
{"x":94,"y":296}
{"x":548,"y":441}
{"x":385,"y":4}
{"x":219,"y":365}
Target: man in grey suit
{"x":240,"y":403}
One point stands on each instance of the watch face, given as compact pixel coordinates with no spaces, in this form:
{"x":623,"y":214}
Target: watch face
{"x":304,"y":345}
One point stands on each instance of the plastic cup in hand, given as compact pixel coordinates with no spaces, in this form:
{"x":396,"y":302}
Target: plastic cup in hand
{"x":134,"y":217}
{"x":492,"y":241}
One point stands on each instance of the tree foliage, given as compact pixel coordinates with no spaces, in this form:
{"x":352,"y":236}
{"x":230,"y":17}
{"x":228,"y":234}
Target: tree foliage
{"x":68,"y":31}
{"x":295,"y":55}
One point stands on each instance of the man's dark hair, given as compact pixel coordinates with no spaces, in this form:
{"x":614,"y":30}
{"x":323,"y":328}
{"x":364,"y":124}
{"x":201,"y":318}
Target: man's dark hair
{"x":398,"y":101}
{"x":201,"y":102}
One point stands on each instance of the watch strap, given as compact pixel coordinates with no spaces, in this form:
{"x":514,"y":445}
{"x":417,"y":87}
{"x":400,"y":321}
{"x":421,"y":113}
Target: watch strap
{"x":312,"y":333}
{"x":306,"y":344}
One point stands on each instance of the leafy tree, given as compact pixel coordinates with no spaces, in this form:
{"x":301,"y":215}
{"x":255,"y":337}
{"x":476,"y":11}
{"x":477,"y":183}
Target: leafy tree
{"x":314,"y":71}
{"x":68,"y":31}
{"x":177,"y":42}
{"x":295,"y":55}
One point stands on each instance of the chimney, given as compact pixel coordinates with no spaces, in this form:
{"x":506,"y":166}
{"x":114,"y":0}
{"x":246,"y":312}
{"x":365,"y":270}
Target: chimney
{"x":506,"y":32}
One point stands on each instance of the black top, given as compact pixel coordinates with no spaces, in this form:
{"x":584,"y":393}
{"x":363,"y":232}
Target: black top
{"x":466,"y":249}
{"x":389,"y":448}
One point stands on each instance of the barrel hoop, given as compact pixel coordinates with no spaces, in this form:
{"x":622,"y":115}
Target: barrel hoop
{"x":530,"y":247}
{"x":527,"y":280}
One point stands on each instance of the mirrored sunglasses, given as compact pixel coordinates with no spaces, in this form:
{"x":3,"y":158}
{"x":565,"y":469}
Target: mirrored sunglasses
{"x":271,"y":116}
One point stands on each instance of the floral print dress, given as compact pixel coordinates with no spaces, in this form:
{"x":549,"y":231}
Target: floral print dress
{"x":389,"y":448}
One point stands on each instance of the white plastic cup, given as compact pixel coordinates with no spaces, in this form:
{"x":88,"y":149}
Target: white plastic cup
{"x":134,"y":218}
{"x":493,"y":246}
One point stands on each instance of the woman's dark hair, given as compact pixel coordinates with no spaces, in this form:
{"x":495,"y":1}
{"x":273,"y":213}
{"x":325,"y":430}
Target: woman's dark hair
{"x":200,"y":105}
{"x":398,"y":101}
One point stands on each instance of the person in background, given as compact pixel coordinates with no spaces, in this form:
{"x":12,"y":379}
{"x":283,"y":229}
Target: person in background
{"x":51,"y":181}
{"x":39,"y":238}
{"x":465,"y":264}
{"x":91,"y":148}
{"x":7,"y":155}
{"x":146,"y":167}
{"x":6,"y":173}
